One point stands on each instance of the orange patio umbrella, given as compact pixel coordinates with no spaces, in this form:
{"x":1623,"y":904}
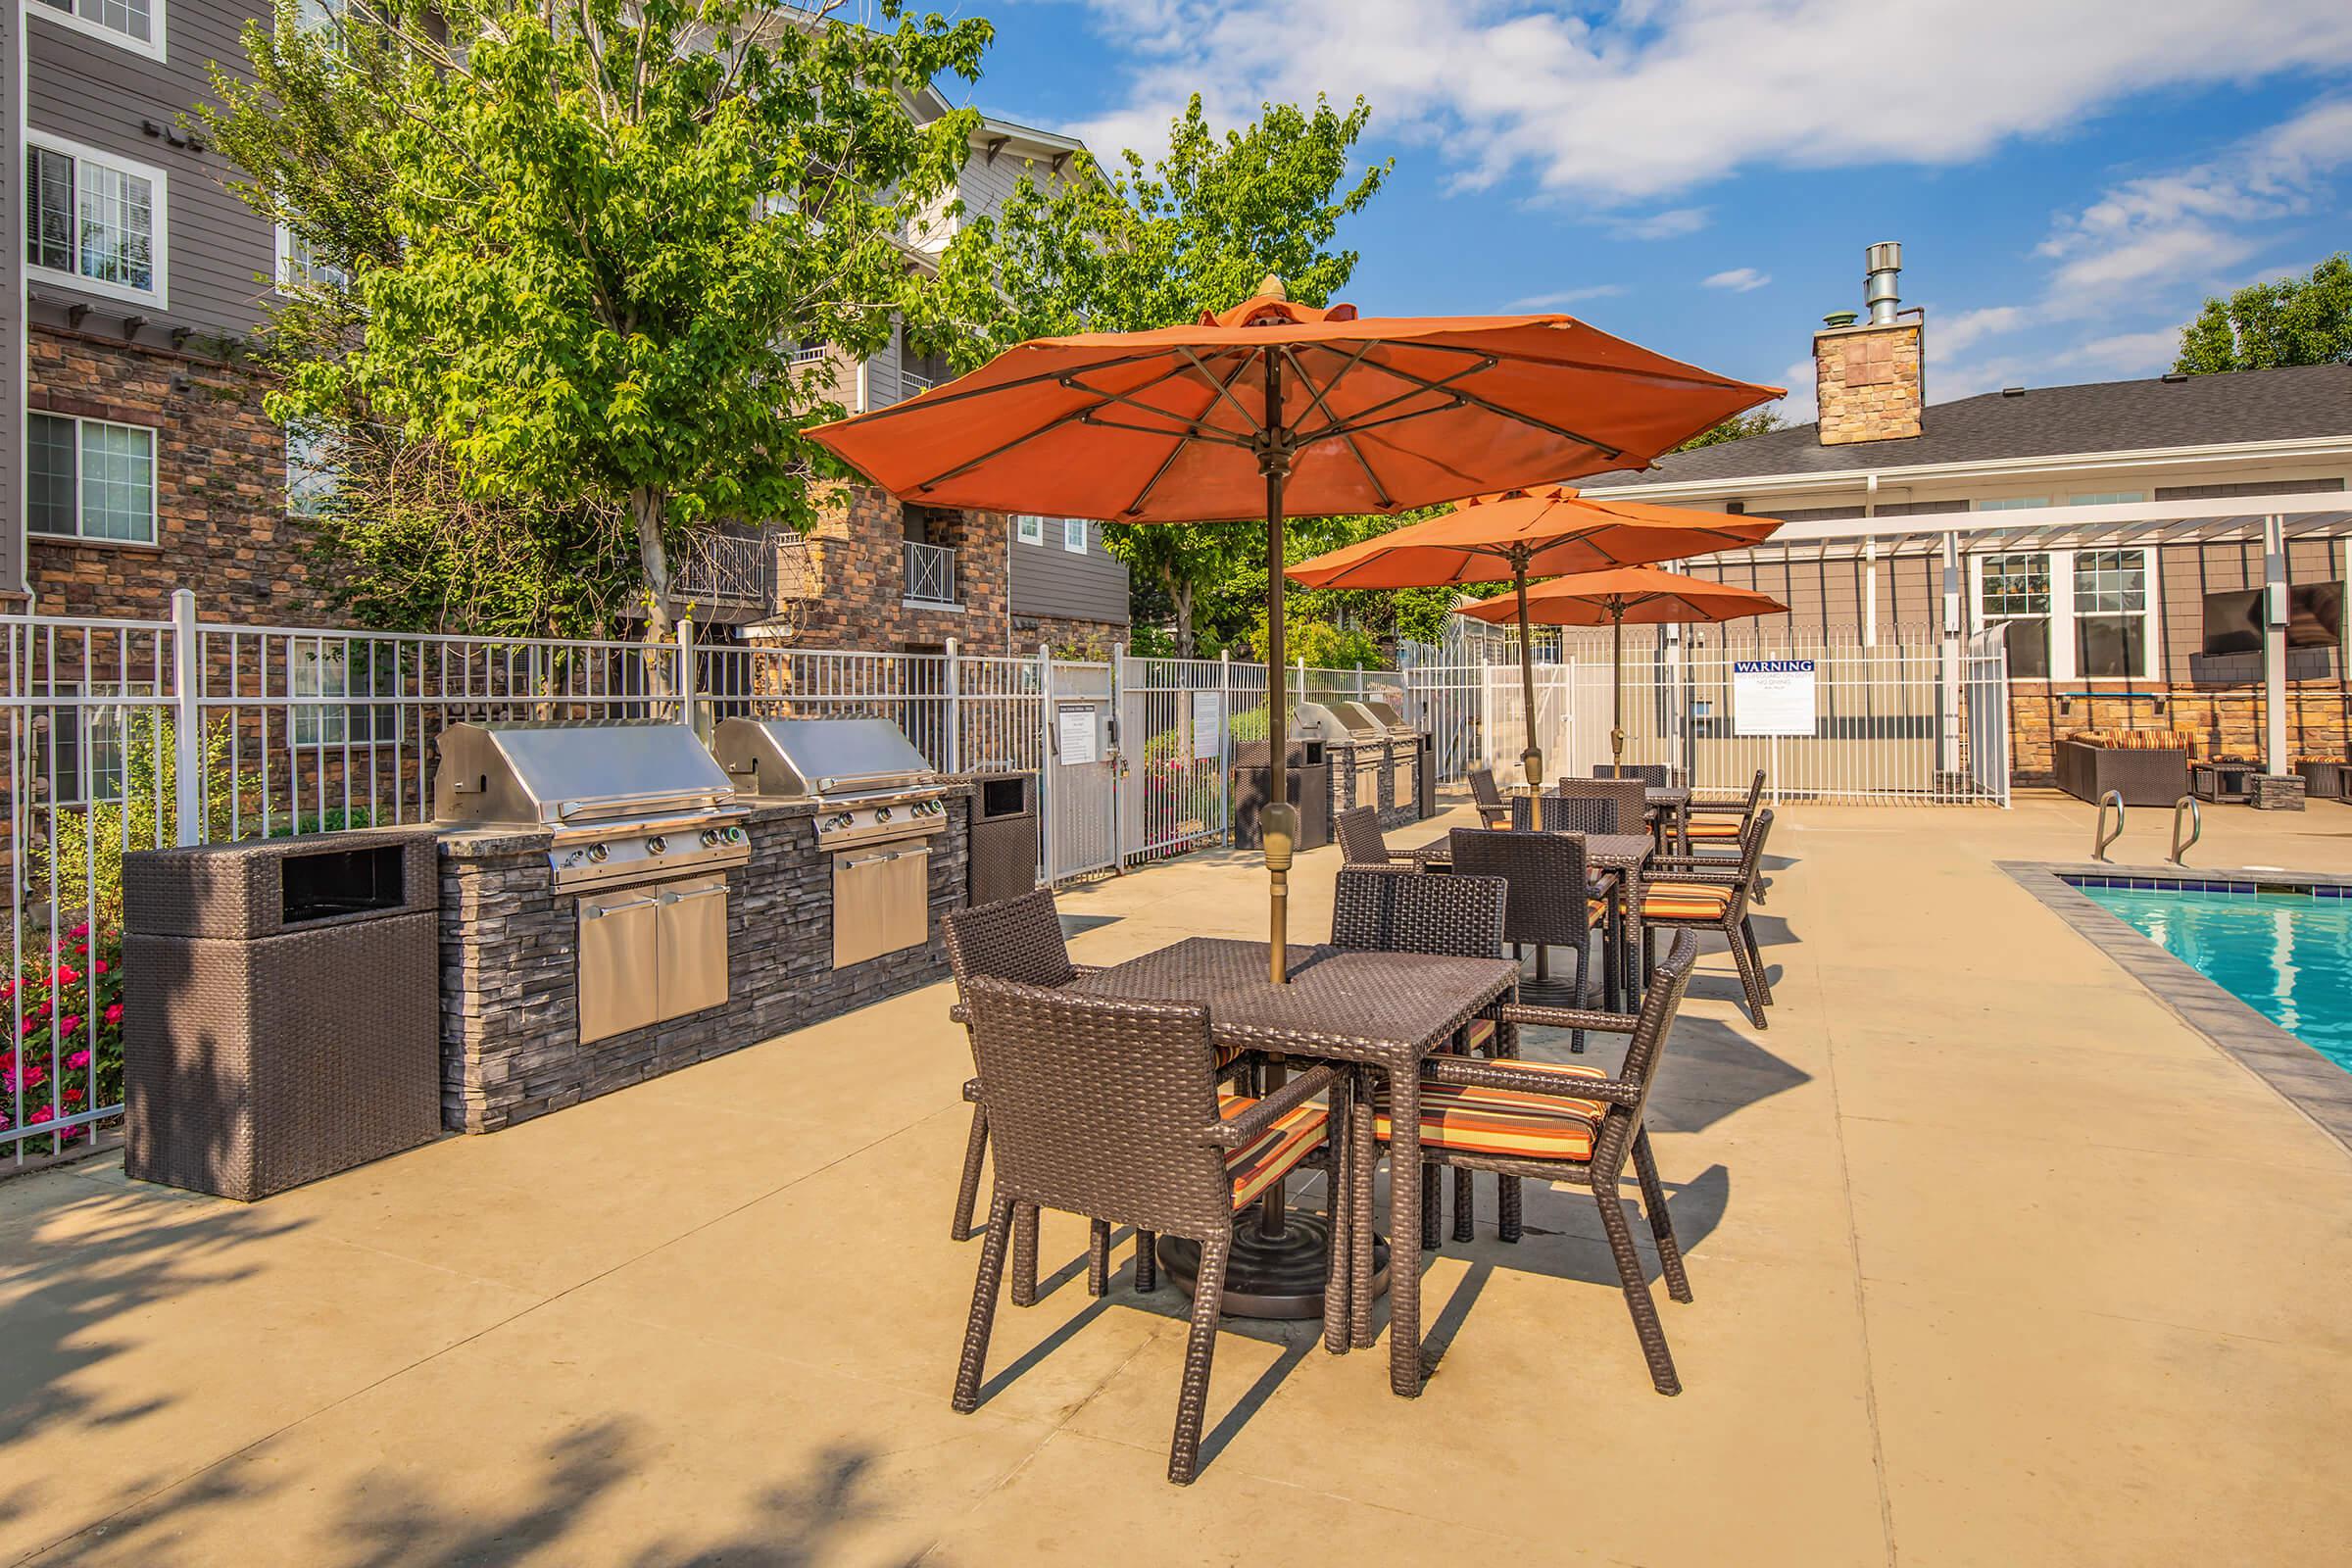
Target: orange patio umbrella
{"x":1274,"y":408}
{"x":1642,"y":595}
{"x":1535,"y":532}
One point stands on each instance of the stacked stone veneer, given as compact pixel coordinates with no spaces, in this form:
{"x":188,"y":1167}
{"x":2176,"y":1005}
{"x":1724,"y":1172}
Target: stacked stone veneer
{"x":1870,"y":382}
{"x":510,"y":1001}
{"x":221,"y":527}
{"x":858,"y":576}
{"x":2227,"y":722}
{"x":1399,"y":783}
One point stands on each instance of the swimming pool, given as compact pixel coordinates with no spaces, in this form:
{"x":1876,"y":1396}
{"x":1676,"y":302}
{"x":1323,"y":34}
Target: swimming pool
{"x":2286,"y":954}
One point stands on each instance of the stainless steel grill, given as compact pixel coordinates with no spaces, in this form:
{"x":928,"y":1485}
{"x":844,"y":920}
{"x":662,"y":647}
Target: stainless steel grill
{"x":878,"y":804}
{"x":627,"y":800}
{"x":645,"y":827}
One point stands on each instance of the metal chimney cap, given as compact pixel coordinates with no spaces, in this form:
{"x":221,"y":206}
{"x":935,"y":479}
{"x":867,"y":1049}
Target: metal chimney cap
{"x":1837,"y":319}
{"x":1883,"y":256}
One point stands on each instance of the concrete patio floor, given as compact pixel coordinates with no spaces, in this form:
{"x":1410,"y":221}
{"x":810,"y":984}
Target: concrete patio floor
{"x":1996,"y":1261}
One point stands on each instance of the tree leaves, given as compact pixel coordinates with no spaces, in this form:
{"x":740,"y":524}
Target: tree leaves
{"x":2288,"y":321}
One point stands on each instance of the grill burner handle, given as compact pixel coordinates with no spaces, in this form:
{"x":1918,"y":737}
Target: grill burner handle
{"x":874,"y":860}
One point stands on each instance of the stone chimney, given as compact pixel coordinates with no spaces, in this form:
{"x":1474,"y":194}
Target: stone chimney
{"x":1870,"y":376}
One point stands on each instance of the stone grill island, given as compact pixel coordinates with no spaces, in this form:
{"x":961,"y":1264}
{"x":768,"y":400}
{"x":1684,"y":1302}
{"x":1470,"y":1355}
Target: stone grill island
{"x":574,"y":962}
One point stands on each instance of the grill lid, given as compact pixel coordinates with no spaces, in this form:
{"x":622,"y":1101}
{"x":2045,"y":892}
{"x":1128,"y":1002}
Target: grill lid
{"x":801,"y":757}
{"x":556,"y":773}
{"x":1361,"y":725}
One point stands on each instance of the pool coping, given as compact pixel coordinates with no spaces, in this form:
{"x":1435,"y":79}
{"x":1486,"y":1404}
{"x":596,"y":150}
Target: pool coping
{"x":2305,"y":1079}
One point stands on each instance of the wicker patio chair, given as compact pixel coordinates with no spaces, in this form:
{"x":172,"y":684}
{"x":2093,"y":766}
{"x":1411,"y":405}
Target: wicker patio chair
{"x":1493,"y":810}
{"x":1653,"y":775}
{"x":1361,"y":843}
{"x":1457,"y":916}
{"x":1567,"y":1122}
{"x":1718,"y":827}
{"x":1689,"y":893}
{"x":1566,"y":814}
{"x":1631,"y":795}
{"x":1014,"y":939}
{"x":1111,"y":1109}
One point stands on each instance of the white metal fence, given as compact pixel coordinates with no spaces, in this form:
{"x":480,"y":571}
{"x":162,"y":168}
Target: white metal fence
{"x":127,"y":734}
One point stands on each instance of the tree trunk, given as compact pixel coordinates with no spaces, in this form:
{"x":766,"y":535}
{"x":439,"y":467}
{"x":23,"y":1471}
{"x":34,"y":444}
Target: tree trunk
{"x":647,"y":507}
{"x":1179,"y":595}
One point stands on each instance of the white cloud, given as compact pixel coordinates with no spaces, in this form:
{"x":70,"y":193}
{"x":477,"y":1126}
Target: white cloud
{"x":1568,"y":296}
{"x":1625,"y":106}
{"x":1671,"y":223}
{"x":1739,"y":279}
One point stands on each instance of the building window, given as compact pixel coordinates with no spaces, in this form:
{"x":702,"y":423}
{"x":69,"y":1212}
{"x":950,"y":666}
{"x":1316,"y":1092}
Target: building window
{"x":89,"y":480}
{"x":85,"y":762}
{"x":311,"y":477}
{"x":1073,"y":535}
{"x":94,"y":221}
{"x":2111,"y":613}
{"x":2107,"y":498}
{"x":2013,"y":593}
{"x":299,"y":267}
{"x":1029,"y":528}
{"x":2009,"y":503}
{"x":319,"y":668}
{"x":134,"y":23}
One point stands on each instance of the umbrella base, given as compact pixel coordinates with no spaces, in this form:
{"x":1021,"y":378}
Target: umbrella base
{"x":1271,"y":1276}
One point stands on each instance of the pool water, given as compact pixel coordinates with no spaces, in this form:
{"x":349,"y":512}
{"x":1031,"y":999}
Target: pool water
{"x":2287,"y":956}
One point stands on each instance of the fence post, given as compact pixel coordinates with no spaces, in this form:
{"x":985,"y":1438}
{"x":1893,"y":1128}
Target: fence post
{"x":187,"y":735}
{"x":1225,"y":739}
{"x":1044,"y":763}
{"x":1359,"y":680}
{"x":691,"y":711}
{"x":1301,"y":697}
{"x":952,"y":750}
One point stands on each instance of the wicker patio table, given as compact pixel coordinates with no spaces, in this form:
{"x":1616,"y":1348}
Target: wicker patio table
{"x":1385,"y":1010}
{"x":1626,"y":854}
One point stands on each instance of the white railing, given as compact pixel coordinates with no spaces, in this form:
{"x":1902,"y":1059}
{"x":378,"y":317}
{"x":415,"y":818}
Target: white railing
{"x":129,"y":734}
{"x":930,"y":573}
{"x":725,"y":569}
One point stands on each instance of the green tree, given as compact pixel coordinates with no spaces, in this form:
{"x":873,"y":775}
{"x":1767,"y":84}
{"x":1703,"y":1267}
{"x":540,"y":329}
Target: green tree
{"x":1140,"y":244}
{"x":2305,"y":320}
{"x":598,"y":231}
{"x":1738,"y":427}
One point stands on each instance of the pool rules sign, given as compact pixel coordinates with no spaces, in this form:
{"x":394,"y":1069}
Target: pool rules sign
{"x":1772,"y":697}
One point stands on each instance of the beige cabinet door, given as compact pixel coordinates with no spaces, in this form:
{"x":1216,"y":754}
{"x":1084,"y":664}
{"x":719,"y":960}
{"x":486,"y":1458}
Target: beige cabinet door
{"x":618,"y":933}
{"x":691,"y":963}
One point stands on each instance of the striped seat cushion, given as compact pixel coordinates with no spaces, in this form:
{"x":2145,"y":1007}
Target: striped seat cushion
{"x":1506,"y":1121}
{"x":1715,"y":827}
{"x":1227,"y":1056}
{"x":1256,"y":1166}
{"x":1684,"y":901}
{"x":1481,"y":1034}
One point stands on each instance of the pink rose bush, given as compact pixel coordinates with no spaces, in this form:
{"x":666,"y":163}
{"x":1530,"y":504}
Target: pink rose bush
{"x":63,"y":1053}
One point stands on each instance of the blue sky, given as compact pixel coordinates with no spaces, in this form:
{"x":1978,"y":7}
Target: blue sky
{"x":2068,"y":177}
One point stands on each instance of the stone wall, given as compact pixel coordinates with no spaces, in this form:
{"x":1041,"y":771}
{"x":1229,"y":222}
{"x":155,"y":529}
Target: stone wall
{"x":2228,"y":722}
{"x":509,"y":1018}
{"x":1870,"y":382}
{"x":1066,"y":638}
{"x":859,"y":570}
{"x":221,"y":527}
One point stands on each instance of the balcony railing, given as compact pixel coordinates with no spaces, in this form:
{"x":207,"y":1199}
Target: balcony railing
{"x":914,"y":384}
{"x":930,"y":573}
{"x":725,"y":569}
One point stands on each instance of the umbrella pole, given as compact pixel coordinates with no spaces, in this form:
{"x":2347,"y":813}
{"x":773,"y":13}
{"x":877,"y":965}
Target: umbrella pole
{"x":1279,"y":822}
{"x":1531,"y":758}
{"x":1617,"y":685}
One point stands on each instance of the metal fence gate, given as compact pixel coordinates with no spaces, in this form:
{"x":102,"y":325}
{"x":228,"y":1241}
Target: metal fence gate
{"x":1174,"y":727}
{"x":1082,"y":768}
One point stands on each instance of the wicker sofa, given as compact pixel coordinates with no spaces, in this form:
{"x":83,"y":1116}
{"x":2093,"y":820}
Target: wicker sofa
{"x":2146,"y":767}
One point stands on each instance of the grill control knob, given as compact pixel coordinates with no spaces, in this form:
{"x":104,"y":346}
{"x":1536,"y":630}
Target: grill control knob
{"x":597,"y":854}
{"x":711,"y":838}
{"x":881,"y":813}
{"x":656,"y":845}
{"x":734,"y":835}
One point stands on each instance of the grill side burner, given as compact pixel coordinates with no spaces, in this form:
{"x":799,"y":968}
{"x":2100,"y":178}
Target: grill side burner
{"x":879,"y":805}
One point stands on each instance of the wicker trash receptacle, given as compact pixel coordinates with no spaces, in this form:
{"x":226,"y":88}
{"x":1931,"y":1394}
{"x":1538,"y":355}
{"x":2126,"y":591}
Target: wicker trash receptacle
{"x":1002,"y":854}
{"x":281,"y":1008}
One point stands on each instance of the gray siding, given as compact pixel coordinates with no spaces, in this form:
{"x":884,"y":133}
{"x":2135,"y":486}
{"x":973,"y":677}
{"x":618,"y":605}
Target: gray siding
{"x":12,"y":315}
{"x":90,"y":91}
{"x":1048,"y":580}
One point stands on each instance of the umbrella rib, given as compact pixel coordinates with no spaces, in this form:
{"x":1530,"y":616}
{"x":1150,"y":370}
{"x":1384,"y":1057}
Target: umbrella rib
{"x":1089,"y":416}
{"x":1177,"y":451}
{"x":1023,"y":439}
{"x":1224,"y":388}
{"x":1497,"y":409}
{"x":1699,"y":379}
{"x":1075,"y":415}
{"x":943,"y":396}
{"x":1314,"y":395}
{"x":1421,"y":388}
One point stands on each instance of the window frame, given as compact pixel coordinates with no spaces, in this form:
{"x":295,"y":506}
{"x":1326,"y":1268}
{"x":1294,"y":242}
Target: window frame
{"x":1029,"y":527}
{"x":153,"y":48}
{"x":318,"y":494}
{"x":2008,"y":503}
{"x":81,"y":732}
{"x":282,"y":264}
{"x":159,"y":233}
{"x":79,"y":535}
{"x":2064,"y":619}
{"x":1986,"y":619}
{"x":1080,"y":525}
{"x":319,"y":668}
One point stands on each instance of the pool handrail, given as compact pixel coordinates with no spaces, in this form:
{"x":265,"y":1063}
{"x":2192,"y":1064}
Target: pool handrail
{"x":2196,"y":827}
{"x":2100,"y":836}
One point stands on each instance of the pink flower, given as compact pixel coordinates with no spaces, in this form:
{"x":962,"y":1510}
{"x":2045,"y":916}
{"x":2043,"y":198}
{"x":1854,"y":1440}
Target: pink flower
{"x":41,"y":1113}
{"x":34,"y":1075}
{"x":99,"y":967}
{"x":69,"y":1023}
{"x":67,"y":974}
{"x":113,"y":1012}
{"x":80,"y":1060}
{"x":32,"y":1021}
{"x":81,"y":930}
